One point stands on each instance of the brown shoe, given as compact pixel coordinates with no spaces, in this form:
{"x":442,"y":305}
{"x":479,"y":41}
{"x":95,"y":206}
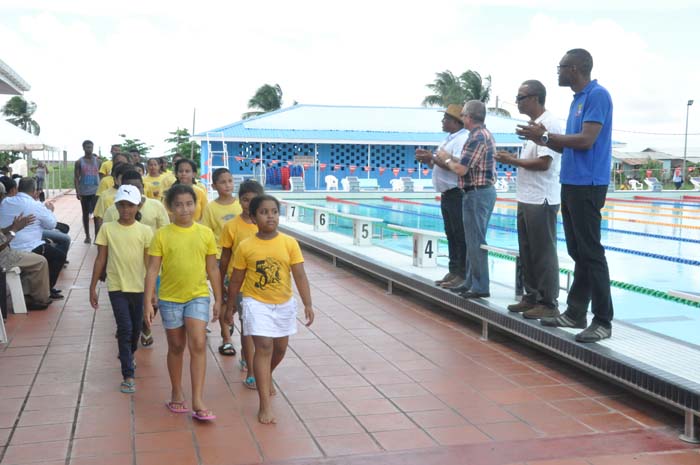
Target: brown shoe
{"x":447,"y":277}
{"x":521,"y":306}
{"x":454,"y":284}
{"x":541,"y":311}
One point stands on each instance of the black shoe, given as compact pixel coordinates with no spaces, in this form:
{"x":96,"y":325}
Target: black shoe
{"x":55,"y":296}
{"x":594,"y":333}
{"x":474,"y":295}
{"x":56,"y":291}
{"x":459,"y":290}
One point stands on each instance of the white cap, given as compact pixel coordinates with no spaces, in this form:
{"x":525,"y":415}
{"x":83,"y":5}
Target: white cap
{"x":129,"y":193}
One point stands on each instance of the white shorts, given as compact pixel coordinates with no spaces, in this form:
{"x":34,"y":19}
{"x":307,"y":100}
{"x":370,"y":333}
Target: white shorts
{"x":270,"y":320}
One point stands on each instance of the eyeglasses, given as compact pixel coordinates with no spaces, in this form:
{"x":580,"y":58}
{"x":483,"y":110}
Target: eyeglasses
{"x":559,"y":67}
{"x":520,"y":98}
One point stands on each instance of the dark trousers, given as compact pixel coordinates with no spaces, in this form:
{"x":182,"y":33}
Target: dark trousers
{"x":128,"y":313}
{"x":580,"y":209}
{"x":55,"y":258}
{"x":451,"y":206}
{"x":537,"y":240}
{"x":87,"y":204}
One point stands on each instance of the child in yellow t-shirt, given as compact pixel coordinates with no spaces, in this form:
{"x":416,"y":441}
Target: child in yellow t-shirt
{"x":264,"y":265}
{"x":121,"y":248}
{"x":186,"y":252}
{"x":186,"y":171}
{"x":106,"y":199}
{"x":224,"y":208}
{"x":153,"y":181}
{"x":234,"y":232}
{"x":107,"y":181}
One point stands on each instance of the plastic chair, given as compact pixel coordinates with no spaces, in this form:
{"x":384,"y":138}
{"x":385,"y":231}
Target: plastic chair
{"x":345,"y":184}
{"x":331,"y":182}
{"x":14,"y":282}
{"x":396,"y":185}
{"x":635,"y":185}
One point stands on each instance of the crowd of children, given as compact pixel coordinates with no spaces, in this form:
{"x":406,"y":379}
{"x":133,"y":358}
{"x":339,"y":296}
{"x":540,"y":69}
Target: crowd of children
{"x":166,"y":249}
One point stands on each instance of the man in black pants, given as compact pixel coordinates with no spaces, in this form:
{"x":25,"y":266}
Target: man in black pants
{"x":585,"y":174}
{"x":87,"y":179}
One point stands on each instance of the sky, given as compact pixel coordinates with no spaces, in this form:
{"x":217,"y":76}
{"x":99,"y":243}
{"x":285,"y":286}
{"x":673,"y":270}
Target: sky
{"x":140,"y":68}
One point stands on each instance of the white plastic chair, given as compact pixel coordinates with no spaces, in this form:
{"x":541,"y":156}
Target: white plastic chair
{"x":12,"y":276}
{"x":396,"y":185}
{"x":635,"y":185}
{"x":345,"y":184}
{"x":331,"y":182}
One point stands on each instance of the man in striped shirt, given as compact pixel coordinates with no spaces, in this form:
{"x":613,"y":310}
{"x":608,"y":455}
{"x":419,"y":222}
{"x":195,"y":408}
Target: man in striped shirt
{"x":478,"y":170}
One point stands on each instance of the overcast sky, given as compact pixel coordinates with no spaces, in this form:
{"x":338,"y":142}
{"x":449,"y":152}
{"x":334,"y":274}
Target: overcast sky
{"x":139,"y":67}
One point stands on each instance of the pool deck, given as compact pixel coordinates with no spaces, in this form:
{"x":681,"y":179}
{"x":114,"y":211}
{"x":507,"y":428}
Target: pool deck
{"x":379,"y":378}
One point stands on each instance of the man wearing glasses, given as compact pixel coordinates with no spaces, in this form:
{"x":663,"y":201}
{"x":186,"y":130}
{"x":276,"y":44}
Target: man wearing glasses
{"x":478,"y":170}
{"x":538,"y":197}
{"x":585,"y":173}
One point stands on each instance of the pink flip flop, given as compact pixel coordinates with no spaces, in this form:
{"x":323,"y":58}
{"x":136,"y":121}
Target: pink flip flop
{"x":203,"y":415}
{"x":177,"y":407}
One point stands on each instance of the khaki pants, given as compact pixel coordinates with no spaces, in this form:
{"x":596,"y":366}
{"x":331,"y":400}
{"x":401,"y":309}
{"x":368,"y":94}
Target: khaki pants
{"x":35,"y":278}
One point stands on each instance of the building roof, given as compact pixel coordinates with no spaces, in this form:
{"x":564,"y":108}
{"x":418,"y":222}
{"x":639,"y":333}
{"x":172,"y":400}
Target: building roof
{"x":10,"y":82}
{"x":327,"y":124}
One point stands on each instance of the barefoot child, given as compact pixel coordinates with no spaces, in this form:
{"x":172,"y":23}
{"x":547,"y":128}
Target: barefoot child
{"x":187,"y":252}
{"x":235,"y":231}
{"x":225,"y":208}
{"x":264,"y":265}
{"x":122,"y":247}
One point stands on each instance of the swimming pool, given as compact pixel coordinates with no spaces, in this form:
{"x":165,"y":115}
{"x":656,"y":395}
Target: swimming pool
{"x":651,"y":247}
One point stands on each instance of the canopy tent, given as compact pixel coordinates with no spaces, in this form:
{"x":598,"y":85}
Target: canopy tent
{"x":14,"y":139}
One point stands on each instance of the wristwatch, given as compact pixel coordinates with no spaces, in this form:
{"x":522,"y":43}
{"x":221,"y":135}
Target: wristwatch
{"x":12,"y":234}
{"x":545,"y":137}
{"x":448,"y":161}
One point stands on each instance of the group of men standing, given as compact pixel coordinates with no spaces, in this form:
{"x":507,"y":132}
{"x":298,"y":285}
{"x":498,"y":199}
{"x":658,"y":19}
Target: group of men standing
{"x":556,"y":168}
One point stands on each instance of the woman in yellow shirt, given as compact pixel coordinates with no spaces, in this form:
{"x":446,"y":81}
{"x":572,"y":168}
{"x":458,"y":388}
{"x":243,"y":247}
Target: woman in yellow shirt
{"x":264,"y":265}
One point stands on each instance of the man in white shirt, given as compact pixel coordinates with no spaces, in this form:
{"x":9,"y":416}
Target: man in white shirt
{"x":30,"y":239}
{"x":450,"y":187}
{"x":539,"y":197}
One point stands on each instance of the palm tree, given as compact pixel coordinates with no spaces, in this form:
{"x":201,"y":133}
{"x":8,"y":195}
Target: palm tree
{"x":19,"y":112}
{"x":267,"y":98}
{"x":448,"y":88}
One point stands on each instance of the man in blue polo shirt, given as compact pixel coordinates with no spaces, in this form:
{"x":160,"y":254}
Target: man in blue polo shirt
{"x":585,"y":173}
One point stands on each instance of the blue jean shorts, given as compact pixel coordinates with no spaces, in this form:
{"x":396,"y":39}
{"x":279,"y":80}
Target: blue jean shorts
{"x":173,"y":314}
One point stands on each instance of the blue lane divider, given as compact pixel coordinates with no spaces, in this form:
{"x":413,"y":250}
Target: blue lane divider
{"x":620,"y":231}
{"x":667,"y":258}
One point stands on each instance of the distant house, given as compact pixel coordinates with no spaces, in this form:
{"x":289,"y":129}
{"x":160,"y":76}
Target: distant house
{"x":318,"y":140}
{"x":630,"y":163}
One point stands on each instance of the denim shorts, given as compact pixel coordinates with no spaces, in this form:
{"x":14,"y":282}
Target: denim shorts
{"x":173,"y":314}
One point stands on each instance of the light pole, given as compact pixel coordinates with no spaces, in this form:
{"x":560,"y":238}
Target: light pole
{"x":685,"y":146}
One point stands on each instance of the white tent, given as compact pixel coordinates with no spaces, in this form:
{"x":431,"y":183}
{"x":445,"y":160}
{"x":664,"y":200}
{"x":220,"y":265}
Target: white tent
{"x":14,"y":139}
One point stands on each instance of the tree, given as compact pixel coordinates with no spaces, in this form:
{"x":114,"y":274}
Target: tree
{"x":448,"y":88}
{"x":131,"y":144}
{"x":267,"y":98}
{"x":19,"y":112}
{"x":182,"y":144}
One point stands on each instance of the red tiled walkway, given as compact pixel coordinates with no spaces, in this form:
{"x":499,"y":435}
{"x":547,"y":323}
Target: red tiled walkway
{"x":377,"y":379}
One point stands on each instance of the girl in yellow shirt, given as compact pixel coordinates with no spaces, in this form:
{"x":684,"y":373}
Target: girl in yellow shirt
{"x":186,"y":172}
{"x":235,"y":231}
{"x":264,"y":265}
{"x":185,"y":254}
{"x":153,"y":181}
{"x":224,"y":208}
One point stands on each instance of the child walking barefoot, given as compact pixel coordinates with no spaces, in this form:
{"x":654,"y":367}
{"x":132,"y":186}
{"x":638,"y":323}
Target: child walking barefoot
{"x":235,"y":231}
{"x":187,"y":252}
{"x":122,"y":247}
{"x":264,"y":265}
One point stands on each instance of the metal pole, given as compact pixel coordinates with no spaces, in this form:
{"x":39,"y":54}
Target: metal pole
{"x":685,"y":146}
{"x":369,"y":156}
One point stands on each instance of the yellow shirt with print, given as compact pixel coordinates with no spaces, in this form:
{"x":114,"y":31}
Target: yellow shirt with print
{"x":153,"y":214}
{"x":215,"y":215}
{"x":268,"y":267}
{"x":106,"y":167}
{"x":153,"y":186}
{"x":183,"y":275}
{"x":126,"y":268}
{"x":235,"y":232}
{"x":105,"y":183}
{"x":105,"y":201}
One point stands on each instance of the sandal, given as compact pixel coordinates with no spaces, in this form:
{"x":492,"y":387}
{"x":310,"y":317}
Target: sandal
{"x":127,"y":387}
{"x":227,"y":349}
{"x":203,"y":415}
{"x":250,"y":383}
{"x":146,"y":339}
{"x":177,"y":406}
{"x":242,"y":365}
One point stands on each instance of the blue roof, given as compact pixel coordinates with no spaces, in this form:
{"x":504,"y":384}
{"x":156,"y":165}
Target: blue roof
{"x":326,"y":124}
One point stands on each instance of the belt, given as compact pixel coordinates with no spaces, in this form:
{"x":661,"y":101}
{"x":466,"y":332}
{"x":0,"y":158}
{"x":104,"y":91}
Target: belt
{"x":450,"y":191}
{"x":471,"y":188}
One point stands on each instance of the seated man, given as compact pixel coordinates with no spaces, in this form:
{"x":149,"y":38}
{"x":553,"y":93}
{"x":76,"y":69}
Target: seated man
{"x":30,"y":239}
{"x":34,"y":268}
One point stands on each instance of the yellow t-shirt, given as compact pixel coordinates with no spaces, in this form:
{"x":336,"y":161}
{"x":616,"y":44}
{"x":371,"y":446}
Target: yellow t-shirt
{"x":184,"y":250}
{"x":104,"y":201}
{"x":168,"y":181}
{"x":235,"y":232}
{"x":153,"y":214}
{"x":268,"y":266}
{"x":216,"y":215}
{"x":126,"y":268}
{"x":105,"y":183}
{"x":153,"y":186}
{"x":106,"y":167}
